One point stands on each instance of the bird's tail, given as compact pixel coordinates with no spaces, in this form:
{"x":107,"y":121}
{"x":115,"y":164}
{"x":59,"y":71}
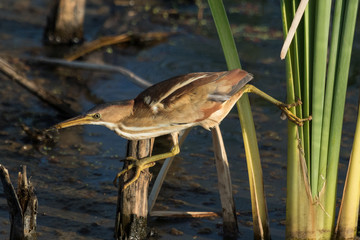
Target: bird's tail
{"x":230,"y":84}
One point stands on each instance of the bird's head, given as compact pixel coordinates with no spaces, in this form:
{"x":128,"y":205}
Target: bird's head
{"x":108,"y":115}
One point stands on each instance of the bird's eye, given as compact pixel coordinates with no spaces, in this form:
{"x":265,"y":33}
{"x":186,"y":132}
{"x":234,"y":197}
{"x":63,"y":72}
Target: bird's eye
{"x":97,"y":116}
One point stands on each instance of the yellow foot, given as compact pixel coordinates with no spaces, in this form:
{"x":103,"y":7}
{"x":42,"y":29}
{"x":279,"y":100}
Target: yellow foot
{"x":292,"y":117}
{"x":144,"y":163}
{"x":139,"y":165}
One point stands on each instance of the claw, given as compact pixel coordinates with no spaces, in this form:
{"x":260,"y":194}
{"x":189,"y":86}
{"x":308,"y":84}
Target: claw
{"x":122,"y":173}
{"x":144,"y":163}
{"x":139,"y":166}
{"x":292,"y":117}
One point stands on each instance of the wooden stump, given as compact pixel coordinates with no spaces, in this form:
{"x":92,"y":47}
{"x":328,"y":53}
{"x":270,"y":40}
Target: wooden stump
{"x":65,"y":22}
{"x":22,"y":204}
{"x":132,"y":205}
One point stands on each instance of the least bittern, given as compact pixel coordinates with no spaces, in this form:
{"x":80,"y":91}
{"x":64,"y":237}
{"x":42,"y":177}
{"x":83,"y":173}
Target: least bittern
{"x":195,"y":99}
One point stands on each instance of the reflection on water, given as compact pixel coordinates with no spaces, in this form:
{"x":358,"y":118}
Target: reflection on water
{"x":73,"y":177}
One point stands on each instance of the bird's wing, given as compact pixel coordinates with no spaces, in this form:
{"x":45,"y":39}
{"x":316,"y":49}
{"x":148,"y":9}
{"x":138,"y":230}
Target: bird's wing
{"x":195,"y":93}
{"x":186,"y":101}
{"x":199,"y":99}
{"x":169,"y":90}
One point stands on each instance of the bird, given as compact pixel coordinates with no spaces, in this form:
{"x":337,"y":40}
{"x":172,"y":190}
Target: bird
{"x":195,"y":99}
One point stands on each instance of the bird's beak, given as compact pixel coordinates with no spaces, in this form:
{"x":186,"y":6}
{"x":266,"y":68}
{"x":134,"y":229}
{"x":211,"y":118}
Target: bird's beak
{"x":79,"y":120}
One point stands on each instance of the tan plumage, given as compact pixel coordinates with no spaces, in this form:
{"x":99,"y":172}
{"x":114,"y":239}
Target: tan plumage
{"x":182,"y":102}
{"x":175,"y":104}
{"x":170,"y":106}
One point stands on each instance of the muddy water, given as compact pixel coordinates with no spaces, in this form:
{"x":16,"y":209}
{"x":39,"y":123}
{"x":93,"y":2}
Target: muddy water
{"x":73,"y":175}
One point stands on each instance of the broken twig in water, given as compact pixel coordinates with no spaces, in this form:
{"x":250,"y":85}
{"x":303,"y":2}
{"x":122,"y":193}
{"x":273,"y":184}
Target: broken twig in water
{"x":94,"y":67}
{"x":112,"y":40}
{"x":35,"y":89}
{"x":96,"y":44}
{"x":179,"y":214}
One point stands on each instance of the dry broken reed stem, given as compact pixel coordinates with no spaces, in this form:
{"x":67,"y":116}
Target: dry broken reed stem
{"x":112,"y":40}
{"x":295,"y":23}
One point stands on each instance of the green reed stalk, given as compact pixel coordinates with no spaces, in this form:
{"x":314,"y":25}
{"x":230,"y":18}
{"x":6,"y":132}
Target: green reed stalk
{"x":294,"y":196}
{"x":260,"y":218}
{"x":330,"y":82}
{"x":322,"y":23}
{"x":316,"y":206}
{"x":341,"y":79}
{"x":305,"y":97}
{"x":349,"y":209}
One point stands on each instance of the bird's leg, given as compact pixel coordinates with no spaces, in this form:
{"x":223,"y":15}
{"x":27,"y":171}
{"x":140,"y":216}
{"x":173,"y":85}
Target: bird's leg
{"x":147,"y":162}
{"x":284,"y":107}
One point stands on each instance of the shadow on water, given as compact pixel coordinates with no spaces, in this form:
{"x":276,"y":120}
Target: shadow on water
{"x":73,"y":176}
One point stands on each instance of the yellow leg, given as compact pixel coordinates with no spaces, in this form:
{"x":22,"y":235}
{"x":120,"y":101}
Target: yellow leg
{"x":144,"y":163}
{"x":284,"y":107}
